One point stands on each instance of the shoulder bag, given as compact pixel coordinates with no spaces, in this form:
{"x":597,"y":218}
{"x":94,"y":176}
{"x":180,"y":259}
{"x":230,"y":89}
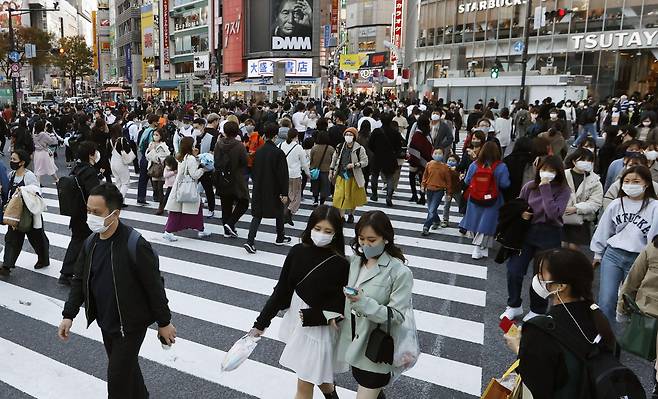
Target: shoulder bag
{"x":380,"y":343}
{"x":640,"y":335}
{"x":126,"y":157}
{"x":186,"y":190}
{"x":315,"y":172}
{"x":156,"y":169}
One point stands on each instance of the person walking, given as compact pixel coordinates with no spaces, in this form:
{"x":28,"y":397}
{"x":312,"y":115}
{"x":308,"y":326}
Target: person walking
{"x":347,"y":170}
{"x":144,"y":140}
{"x":44,"y":164}
{"x":205,"y":143}
{"x":100,"y":134}
{"x":22,"y":178}
{"x":186,"y":213}
{"x":320,"y":166}
{"x":547,"y":197}
{"x":169,"y":176}
{"x":385,"y":144}
{"x":437,"y":181}
{"x":383,"y":283}
{"x":155,"y":155}
{"x":122,"y":296}
{"x":87,"y":177}
{"x":624,"y":230}
{"x":420,"y":153}
{"x":120,"y":159}
{"x":230,"y":168}
{"x":270,"y":188}
{"x":310,"y":287}
{"x":486,"y":179}
{"x":298,"y":163}
{"x":503,"y":129}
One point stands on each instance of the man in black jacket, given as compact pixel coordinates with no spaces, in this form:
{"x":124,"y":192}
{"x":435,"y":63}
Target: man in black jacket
{"x":337,"y":130}
{"x":474,"y":117}
{"x":270,"y":191}
{"x":88,"y":178}
{"x":123,"y":297}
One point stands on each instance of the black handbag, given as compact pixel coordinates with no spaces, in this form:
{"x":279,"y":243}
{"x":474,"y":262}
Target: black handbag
{"x":380,"y":344}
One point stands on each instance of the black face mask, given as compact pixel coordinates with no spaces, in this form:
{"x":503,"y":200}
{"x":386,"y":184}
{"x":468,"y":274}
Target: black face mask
{"x":14,"y":165}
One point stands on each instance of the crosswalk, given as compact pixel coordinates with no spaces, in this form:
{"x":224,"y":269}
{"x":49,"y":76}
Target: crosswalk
{"x":216,"y":290}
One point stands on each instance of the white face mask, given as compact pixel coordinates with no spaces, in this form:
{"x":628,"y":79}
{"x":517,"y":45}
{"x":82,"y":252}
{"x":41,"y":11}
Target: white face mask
{"x":540,"y":288}
{"x":349,"y":139}
{"x":436,"y":117}
{"x":651,"y":155}
{"x":97,"y":157}
{"x":646,"y":123}
{"x":553,"y":116}
{"x":585,"y":166}
{"x":633,"y":190}
{"x":544,"y":174}
{"x":97,"y":223}
{"x":321,"y":239}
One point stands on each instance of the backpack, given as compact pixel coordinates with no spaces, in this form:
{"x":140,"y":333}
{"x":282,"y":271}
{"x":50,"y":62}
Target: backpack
{"x":126,"y":130}
{"x":70,"y":195}
{"x":483,"y":190}
{"x":133,"y":239}
{"x":223,"y":173}
{"x":603,"y":376}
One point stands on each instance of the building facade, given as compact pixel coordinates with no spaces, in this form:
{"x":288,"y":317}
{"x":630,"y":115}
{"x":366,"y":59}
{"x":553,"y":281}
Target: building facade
{"x":128,"y":43}
{"x":613,"y":41}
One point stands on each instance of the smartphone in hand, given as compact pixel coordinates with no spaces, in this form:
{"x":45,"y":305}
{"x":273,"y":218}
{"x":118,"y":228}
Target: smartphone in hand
{"x":350,"y":291}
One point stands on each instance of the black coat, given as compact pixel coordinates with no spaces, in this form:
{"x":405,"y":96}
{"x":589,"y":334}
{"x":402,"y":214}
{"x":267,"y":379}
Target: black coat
{"x":270,"y":177}
{"x":512,"y":228}
{"x":516,"y":163}
{"x":140,"y":293}
{"x":237,"y":164}
{"x":88,"y":178}
{"x":385,"y":151}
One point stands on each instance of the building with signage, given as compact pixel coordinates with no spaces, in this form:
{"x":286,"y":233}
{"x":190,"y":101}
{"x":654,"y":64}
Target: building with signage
{"x":128,"y":43}
{"x":613,"y":41}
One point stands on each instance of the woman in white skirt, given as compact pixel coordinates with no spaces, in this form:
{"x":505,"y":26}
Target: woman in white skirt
{"x":122,"y":157}
{"x":44,"y":164}
{"x":311,"y":289}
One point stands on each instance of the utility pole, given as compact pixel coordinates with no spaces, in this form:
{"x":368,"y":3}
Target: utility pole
{"x":526,"y":40}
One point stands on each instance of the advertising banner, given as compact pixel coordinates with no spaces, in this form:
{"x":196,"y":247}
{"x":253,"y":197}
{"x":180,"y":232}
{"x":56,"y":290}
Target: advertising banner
{"x":95,"y":36}
{"x":334,"y":16}
{"x":232,"y":36}
{"x":396,"y":33}
{"x":292,"y":25}
{"x":201,"y":62}
{"x":295,"y":67}
{"x":129,"y":63}
{"x":147,"y":31}
{"x":165,"y":35}
{"x":377,"y":60}
{"x":102,"y":27}
{"x":351,"y":62}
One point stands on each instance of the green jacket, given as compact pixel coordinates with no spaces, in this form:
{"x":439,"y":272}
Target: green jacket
{"x":387,"y":284}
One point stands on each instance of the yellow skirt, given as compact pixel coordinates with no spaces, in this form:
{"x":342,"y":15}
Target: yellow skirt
{"x":348,"y":194}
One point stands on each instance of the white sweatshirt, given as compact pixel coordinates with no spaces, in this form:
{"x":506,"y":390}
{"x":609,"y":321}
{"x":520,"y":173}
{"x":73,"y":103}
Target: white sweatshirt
{"x":623,"y":228}
{"x":296,"y":158}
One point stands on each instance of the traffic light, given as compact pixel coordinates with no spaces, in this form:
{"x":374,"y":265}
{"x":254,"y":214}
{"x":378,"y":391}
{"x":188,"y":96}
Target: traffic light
{"x":57,"y":51}
{"x":557,"y":14}
{"x":495,"y":72}
{"x":61,"y":51}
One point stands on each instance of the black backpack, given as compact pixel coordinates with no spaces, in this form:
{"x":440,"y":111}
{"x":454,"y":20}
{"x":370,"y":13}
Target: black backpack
{"x":133,"y":239}
{"x":603,"y":376}
{"x":223,"y":173}
{"x":70,"y":195}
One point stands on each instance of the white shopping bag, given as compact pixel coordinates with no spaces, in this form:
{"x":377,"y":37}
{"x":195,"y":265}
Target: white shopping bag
{"x":239,"y":352}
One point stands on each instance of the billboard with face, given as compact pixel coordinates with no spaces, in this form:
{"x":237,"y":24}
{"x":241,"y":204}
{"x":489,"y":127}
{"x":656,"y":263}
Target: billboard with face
{"x":292,"y":25}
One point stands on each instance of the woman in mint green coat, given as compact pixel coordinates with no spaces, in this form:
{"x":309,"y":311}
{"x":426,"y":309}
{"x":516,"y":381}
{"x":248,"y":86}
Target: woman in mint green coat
{"x":378,"y":272}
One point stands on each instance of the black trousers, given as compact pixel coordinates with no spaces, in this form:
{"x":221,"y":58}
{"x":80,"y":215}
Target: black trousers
{"x":165,"y":197}
{"x":3,"y":140}
{"x":232,"y":209}
{"x":158,"y":193}
{"x":79,"y":233}
{"x":206,"y":183}
{"x":412,"y":182}
{"x":255,"y":224}
{"x":14,"y":245}
{"x":124,"y":377}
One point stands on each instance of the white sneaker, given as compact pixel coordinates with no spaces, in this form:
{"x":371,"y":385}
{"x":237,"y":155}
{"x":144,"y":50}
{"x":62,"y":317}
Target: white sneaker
{"x":203,"y":234}
{"x":169,"y":237}
{"x":477,"y":253}
{"x":530,"y":315}
{"x":512,"y":313}
{"x":484,"y":251}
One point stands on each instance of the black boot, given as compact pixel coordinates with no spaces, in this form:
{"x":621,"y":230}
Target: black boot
{"x":381,"y":395}
{"x":332,"y":395}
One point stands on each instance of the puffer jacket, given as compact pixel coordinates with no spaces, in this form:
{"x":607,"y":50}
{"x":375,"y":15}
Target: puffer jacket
{"x":589,"y":197}
{"x":642,"y":283}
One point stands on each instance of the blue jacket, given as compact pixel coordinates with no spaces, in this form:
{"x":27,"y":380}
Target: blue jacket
{"x":483,"y":219}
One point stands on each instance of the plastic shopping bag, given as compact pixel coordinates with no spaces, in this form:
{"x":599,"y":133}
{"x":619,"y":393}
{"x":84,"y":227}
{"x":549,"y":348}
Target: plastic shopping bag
{"x":407,"y":349}
{"x":239,"y":352}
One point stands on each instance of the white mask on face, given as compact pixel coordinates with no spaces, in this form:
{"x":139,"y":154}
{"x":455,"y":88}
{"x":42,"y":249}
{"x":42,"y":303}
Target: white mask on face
{"x":540,"y":288}
{"x":651,"y":155}
{"x":349,"y":139}
{"x":544,"y":174}
{"x":97,"y":223}
{"x":585,"y":166}
{"x":633,"y":190}
{"x":97,"y":157}
{"x":553,"y":116}
{"x":321,"y":239}
{"x":646,"y":123}
{"x":436,"y":117}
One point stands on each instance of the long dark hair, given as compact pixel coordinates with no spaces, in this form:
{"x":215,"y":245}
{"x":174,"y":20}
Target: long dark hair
{"x":332,"y":215}
{"x":186,"y":148}
{"x":555,"y":163}
{"x":568,"y":266}
{"x":382,"y":226}
{"x":645,"y":174}
{"x":489,"y":154}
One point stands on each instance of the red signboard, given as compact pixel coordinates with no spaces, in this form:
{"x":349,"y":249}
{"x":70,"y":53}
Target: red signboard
{"x":233,"y":36}
{"x":396,"y":33}
{"x":165,"y":34}
{"x":334,"y":16}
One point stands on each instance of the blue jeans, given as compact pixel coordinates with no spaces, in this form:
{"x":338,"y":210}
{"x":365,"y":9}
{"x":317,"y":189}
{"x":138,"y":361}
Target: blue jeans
{"x":446,"y":208}
{"x":540,"y":237}
{"x":588,"y":129}
{"x":143,"y":179}
{"x":615,"y":265}
{"x":433,"y":201}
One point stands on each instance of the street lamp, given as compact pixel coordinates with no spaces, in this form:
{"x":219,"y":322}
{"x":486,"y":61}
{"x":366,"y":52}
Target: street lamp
{"x":12,"y":40}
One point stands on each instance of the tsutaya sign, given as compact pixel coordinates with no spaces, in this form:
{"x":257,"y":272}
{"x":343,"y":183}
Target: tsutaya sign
{"x":632,"y":39}
{"x":471,"y":6}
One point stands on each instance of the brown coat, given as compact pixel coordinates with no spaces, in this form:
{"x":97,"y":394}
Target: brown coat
{"x":316,"y":157}
{"x":438,"y":176}
{"x":642,"y":282}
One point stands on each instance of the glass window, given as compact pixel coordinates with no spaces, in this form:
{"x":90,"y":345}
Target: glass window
{"x":613,"y":15}
{"x":595,"y":15}
{"x":650,"y":16}
{"x":631,"y":14}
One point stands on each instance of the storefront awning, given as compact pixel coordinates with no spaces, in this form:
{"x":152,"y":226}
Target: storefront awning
{"x":169,"y":84}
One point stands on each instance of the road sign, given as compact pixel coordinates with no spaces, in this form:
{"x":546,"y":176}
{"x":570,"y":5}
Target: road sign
{"x":518,"y":47}
{"x":14,"y":56}
{"x":15,"y":67}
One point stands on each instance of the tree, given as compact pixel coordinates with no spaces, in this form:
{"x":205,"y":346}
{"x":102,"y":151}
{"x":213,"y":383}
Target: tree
{"x":25,"y":34}
{"x":75,"y":59}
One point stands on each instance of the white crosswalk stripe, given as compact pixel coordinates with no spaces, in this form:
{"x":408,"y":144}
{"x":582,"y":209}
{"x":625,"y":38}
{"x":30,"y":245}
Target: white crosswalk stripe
{"x":214,"y":284}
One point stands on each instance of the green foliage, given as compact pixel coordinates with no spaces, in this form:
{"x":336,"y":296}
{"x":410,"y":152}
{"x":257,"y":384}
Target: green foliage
{"x":75,"y":60}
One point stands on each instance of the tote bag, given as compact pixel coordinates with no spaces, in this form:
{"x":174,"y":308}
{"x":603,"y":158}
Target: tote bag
{"x":186,"y":191}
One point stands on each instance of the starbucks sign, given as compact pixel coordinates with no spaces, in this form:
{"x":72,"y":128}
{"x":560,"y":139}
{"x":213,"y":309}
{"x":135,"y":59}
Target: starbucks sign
{"x":472,"y":6}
